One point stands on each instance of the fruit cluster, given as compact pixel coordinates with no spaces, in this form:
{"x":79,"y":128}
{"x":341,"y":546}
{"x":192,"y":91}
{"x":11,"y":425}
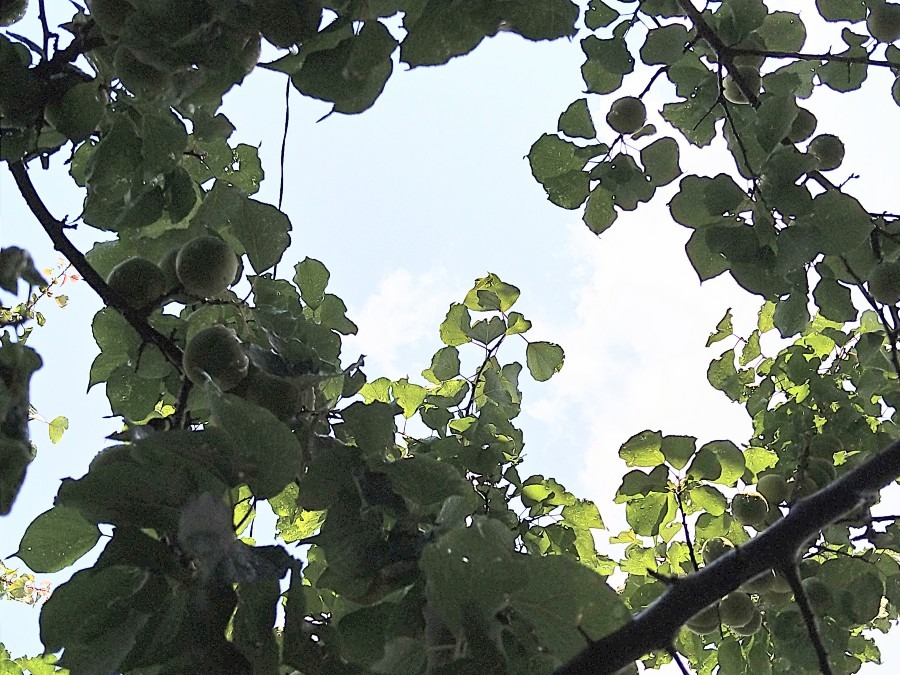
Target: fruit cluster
{"x":759,"y":506}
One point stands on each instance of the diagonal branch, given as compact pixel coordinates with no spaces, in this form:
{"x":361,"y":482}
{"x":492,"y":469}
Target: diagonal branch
{"x":55,"y":229}
{"x":655,"y":628}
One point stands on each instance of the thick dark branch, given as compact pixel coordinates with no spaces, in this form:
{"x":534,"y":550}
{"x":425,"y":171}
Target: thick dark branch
{"x":56,"y":231}
{"x":656,"y":627}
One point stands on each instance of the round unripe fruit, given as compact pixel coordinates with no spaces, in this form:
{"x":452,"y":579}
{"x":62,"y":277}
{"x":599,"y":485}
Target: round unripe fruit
{"x":773,"y":487}
{"x":884,"y":283}
{"x":736,"y":609}
{"x":77,"y":114}
{"x":627,"y":115}
{"x":828,"y":150}
{"x":825,"y":445}
{"x":138,"y":282}
{"x":206,"y":266}
{"x":761,"y":584}
{"x":167,"y":265}
{"x":275,"y":394}
{"x":216,"y":353}
{"x":715,"y":548}
{"x":11,"y":11}
{"x":750,"y":76}
{"x":803,"y":126}
{"x":821,"y":471}
{"x":749,"y":508}
{"x":818,"y":594}
{"x":751,"y":627}
{"x":883,"y":22}
{"x":704,"y":621}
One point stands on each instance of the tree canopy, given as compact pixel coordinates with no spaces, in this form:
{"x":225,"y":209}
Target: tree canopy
{"x":429,"y":548}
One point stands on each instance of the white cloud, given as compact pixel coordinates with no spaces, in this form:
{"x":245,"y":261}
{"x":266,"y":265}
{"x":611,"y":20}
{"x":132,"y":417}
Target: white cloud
{"x":398,"y":323}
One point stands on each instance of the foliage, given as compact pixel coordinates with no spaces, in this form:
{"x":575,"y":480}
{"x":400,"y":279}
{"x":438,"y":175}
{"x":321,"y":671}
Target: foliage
{"x":432,"y":552}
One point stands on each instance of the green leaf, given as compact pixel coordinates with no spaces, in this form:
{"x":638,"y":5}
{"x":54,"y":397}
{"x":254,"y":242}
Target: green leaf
{"x":352,"y":74}
{"x":608,"y":61}
{"x":709,"y":499}
{"x":724,"y":329}
{"x":96,"y":636}
{"x":426,"y":481}
{"x":660,"y":160}
{"x":260,"y":229}
{"x":57,"y":428}
{"x":311,"y":276}
{"x":599,"y":14}
{"x":842,"y":222}
{"x":637,"y":484}
{"x":584,"y":514}
{"x":833,"y":300}
{"x":707,"y":263}
{"x":576,"y":121}
{"x":703,"y":201}
{"x":332,"y":313}
{"x":472,"y":569}
{"x":268,"y":453}
{"x":372,"y":426}
{"x":783,"y":32}
{"x":442,"y":31}
{"x":721,"y":462}
{"x":566,"y":602}
{"x":599,"y":213}
{"x":56,"y":539}
{"x":517,"y":324}
{"x":552,"y":157}
{"x":445,"y":363}
{"x":490,"y":293}
{"x":456,"y":326}
{"x":665,"y":44}
{"x":678,"y":450}
{"x":842,"y":10}
{"x":409,"y":396}
{"x":643,"y":449}
{"x":547,"y":20}
{"x":543,"y":359}
{"x":646,"y":515}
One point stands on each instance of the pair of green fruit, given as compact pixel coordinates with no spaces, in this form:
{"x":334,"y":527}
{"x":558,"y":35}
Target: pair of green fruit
{"x":204,"y":267}
{"x":217,"y":354}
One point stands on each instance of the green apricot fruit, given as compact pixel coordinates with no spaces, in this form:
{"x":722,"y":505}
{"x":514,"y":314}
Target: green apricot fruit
{"x":275,"y":394}
{"x":803,"y":126}
{"x":751,"y":627}
{"x":137,"y":281}
{"x":736,"y":609}
{"x":751,"y":77}
{"x":773,"y":487}
{"x":825,"y":445}
{"x":141,"y":79}
{"x":821,"y":471}
{"x":828,"y":151}
{"x":11,"y":11}
{"x":77,"y":114}
{"x":215,"y":353}
{"x":884,"y":283}
{"x":206,"y":266}
{"x":627,"y":115}
{"x":705,"y":621}
{"x":714,"y":548}
{"x":749,"y":508}
{"x":761,"y":584}
{"x":775,"y":598}
{"x":818,"y":594}
{"x":883,"y":21}
{"x":167,"y":265}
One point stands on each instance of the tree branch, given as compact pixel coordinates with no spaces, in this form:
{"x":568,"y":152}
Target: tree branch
{"x":55,"y":229}
{"x":775,"y":548}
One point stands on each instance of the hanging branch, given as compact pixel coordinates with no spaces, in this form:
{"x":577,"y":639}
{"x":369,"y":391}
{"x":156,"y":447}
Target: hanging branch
{"x":656,"y":627}
{"x":55,"y":229}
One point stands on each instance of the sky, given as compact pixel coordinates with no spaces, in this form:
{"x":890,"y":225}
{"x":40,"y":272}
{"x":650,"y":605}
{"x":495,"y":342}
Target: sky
{"x":407,"y":204}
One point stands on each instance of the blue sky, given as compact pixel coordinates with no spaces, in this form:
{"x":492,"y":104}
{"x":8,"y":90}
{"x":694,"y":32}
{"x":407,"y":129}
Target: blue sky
{"x":411,"y":201}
